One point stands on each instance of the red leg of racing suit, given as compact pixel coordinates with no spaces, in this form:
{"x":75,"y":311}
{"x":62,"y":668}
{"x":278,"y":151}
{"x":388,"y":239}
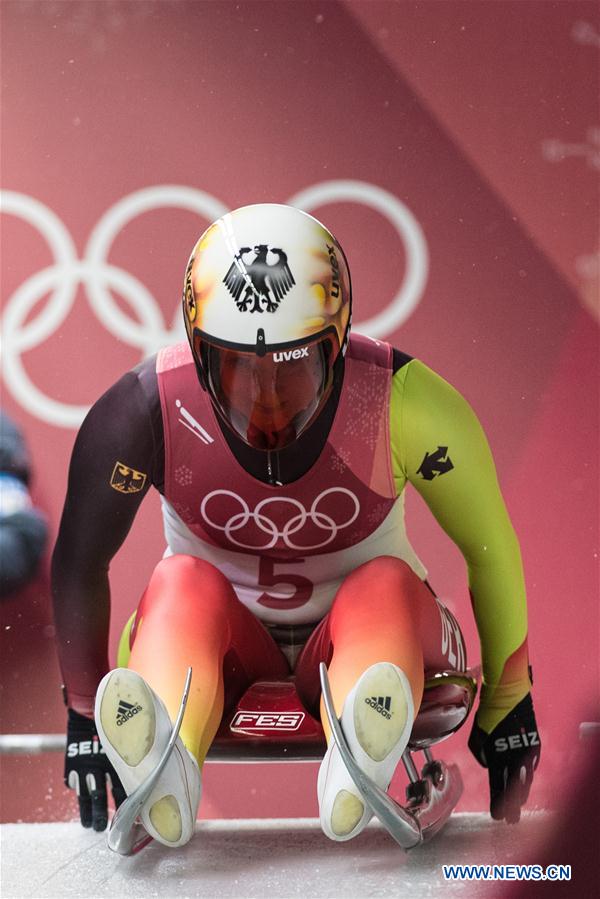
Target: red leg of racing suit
{"x":382,"y":612}
{"x":190,"y":615}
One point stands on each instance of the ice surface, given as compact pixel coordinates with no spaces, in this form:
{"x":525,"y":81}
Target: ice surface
{"x":257,"y":858}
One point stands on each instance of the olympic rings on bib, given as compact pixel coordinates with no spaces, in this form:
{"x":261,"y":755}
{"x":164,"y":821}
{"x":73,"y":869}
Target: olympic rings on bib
{"x":294,"y":524}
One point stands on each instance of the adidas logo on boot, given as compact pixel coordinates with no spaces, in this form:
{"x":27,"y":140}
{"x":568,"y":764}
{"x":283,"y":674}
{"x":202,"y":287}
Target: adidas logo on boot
{"x":126,"y":711}
{"x":381,"y":704}
{"x":377,"y":719}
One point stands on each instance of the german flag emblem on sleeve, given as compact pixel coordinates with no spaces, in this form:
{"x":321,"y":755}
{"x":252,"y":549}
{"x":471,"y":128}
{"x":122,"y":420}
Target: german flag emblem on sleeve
{"x":126,"y":479}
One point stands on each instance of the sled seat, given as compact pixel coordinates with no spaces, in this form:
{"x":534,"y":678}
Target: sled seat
{"x":270,"y":724}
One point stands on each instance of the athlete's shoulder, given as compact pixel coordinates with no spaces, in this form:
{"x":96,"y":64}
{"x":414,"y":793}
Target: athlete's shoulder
{"x":135,"y":389}
{"x":422,"y":381}
{"x":129,"y":406}
{"x":424,"y":403}
{"x":125,"y":424}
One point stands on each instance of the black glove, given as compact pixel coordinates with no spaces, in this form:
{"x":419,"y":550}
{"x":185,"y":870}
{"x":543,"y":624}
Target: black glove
{"x":511,"y":754}
{"x":87,"y":771}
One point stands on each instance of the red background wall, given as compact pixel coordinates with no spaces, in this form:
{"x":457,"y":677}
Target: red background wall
{"x":479,"y":122}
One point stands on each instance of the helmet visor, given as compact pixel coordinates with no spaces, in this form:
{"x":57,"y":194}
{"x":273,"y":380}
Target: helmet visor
{"x":270,"y":400}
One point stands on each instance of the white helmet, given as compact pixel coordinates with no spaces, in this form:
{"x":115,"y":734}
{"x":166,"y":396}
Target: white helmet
{"x":267,"y":308}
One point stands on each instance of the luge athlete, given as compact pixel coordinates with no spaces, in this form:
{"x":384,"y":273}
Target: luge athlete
{"x":281,"y":446}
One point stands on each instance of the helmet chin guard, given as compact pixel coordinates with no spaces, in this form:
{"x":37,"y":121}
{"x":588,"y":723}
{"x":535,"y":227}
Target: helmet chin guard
{"x":267,"y":308}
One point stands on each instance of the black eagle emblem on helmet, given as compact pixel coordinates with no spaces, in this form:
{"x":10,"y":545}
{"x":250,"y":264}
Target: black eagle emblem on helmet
{"x":262,"y":284}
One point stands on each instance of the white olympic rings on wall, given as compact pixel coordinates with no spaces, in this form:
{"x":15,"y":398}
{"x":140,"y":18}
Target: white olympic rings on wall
{"x":293,"y":525}
{"x":148,"y":332}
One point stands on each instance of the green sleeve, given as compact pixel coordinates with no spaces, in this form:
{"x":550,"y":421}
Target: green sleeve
{"x":439,"y":446}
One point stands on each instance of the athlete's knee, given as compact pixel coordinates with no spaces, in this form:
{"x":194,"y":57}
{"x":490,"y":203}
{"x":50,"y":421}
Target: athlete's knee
{"x":188,"y":568}
{"x":383,"y":570}
{"x":384,"y":587}
{"x":183,"y":575}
